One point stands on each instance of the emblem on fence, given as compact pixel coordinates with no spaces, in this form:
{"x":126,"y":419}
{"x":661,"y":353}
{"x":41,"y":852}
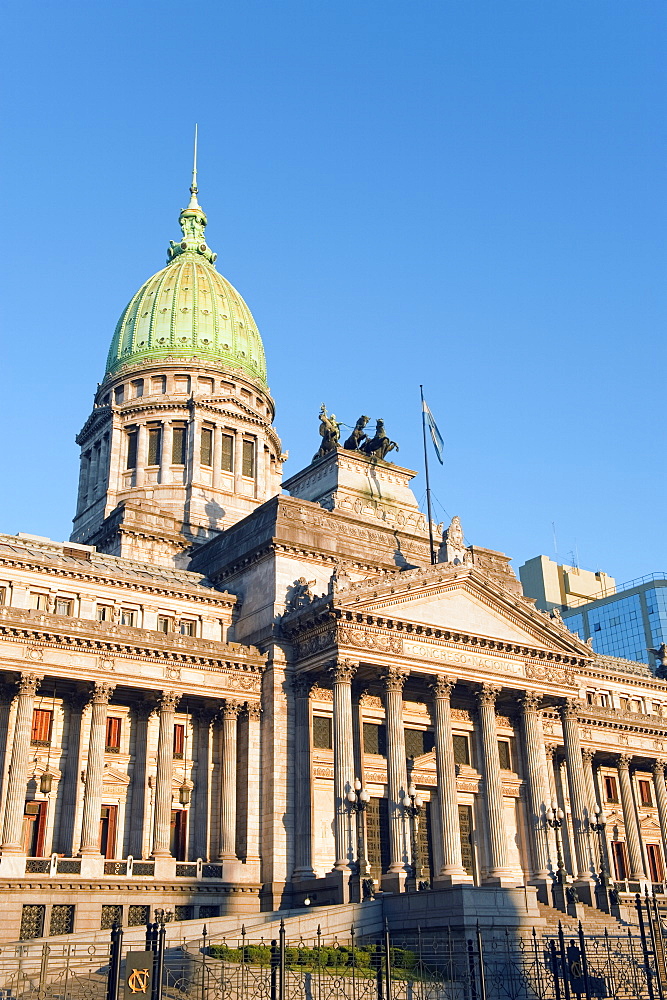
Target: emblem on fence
{"x":138,"y":973}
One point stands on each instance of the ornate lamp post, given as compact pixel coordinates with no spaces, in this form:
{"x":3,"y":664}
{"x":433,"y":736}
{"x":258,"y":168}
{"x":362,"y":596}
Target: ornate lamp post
{"x":554,"y":818}
{"x":357,"y":801}
{"x":412,"y":805}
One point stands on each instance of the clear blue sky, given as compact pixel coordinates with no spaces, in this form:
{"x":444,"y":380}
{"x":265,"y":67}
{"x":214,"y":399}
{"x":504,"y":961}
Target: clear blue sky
{"x":465,"y":194}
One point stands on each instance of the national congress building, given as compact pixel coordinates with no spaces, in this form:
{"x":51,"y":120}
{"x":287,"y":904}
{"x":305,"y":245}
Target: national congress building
{"x":229,"y":692}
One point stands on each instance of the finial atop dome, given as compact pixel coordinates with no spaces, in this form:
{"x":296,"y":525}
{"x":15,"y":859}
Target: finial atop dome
{"x":193,"y":187}
{"x":193,"y":222}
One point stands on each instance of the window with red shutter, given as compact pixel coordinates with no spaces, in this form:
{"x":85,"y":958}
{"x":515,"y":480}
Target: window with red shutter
{"x":113,"y":735}
{"x":41,"y":728}
{"x":179,"y":741}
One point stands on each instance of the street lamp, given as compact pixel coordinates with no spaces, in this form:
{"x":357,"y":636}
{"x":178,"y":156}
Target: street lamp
{"x":357,"y":800}
{"x":599,"y":827}
{"x":554,"y":818}
{"x":412,"y":805}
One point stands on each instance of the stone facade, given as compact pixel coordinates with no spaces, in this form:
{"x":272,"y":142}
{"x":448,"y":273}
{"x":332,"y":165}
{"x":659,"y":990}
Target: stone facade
{"x":221,"y":699}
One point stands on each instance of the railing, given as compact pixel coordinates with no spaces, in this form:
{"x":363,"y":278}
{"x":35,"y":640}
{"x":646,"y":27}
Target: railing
{"x":121,"y":868}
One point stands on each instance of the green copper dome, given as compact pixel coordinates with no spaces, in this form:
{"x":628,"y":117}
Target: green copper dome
{"x":188,"y":310}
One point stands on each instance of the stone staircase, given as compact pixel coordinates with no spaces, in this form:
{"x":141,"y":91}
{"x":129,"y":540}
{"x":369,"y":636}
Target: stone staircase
{"x":593,"y":921}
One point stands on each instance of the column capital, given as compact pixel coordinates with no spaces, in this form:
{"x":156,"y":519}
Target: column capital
{"x":101,"y":693}
{"x":550,"y":750}
{"x":205,"y":715}
{"x":394,"y":678}
{"x":587,"y":755}
{"x":442,"y":686}
{"x":302,"y":684}
{"x":623,"y":761}
{"x":570,"y":708}
{"x":659,"y":766}
{"x":77,"y":700}
{"x":342,"y":671}
{"x":28,"y":683}
{"x":488,"y":694}
{"x":253,"y":710}
{"x":530,"y":701}
{"x":231,"y":709}
{"x":144,"y":709}
{"x":168,"y":700}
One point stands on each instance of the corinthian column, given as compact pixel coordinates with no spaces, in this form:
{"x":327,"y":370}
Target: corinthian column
{"x":630,"y":819}
{"x":576,"y":780}
{"x":397,"y":773}
{"x":165,"y":762}
{"x":661,"y":799}
{"x":538,"y":795}
{"x":303,"y":785}
{"x":92,"y":796}
{"x":486,"y":700}
{"x":452,"y":864}
{"x":18,"y":768}
{"x":230,"y":714}
{"x":341,"y":673}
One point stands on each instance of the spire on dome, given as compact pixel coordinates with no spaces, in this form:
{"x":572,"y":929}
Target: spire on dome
{"x":193,"y":223}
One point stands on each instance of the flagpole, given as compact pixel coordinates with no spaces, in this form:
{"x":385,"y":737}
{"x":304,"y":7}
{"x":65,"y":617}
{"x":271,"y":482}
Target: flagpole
{"x":428,"y":482}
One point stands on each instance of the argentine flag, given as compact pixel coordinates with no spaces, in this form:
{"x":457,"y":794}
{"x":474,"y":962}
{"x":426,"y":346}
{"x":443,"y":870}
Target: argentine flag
{"x":436,"y":436}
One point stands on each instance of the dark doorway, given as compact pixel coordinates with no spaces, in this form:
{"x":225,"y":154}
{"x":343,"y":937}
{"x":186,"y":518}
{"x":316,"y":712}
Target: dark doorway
{"x":34,"y":829}
{"x":108,"y":818}
{"x":177,"y":833}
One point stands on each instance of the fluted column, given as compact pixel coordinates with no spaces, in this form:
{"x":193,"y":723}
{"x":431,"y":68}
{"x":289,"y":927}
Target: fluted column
{"x":661,"y":799}
{"x":202,"y":825}
{"x":253,"y":845}
{"x":587,"y":756}
{"x":140,"y":811}
{"x":452,"y":869}
{"x":538,"y":793}
{"x":230,"y":714}
{"x":486,"y":699}
{"x":630,"y":818}
{"x":165,"y":762}
{"x":92,"y":796}
{"x":65,"y":831}
{"x":341,"y":673}
{"x":397,"y":774}
{"x":12,"y":830}
{"x":303,"y":784}
{"x":576,"y":779}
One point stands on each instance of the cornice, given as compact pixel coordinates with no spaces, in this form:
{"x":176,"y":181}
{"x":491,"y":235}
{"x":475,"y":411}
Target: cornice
{"x":212,"y":597}
{"x":611,"y":718}
{"x":94,"y":637}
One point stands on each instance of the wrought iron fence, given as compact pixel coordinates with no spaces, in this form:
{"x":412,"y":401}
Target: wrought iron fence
{"x":423,"y":965}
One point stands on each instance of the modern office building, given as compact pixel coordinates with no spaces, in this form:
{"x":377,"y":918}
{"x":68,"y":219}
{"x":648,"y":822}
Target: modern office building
{"x":554,"y":585}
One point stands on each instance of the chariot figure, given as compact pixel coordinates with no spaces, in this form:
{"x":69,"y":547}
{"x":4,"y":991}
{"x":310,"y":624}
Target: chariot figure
{"x":358,"y":435}
{"x":381,"y":444}
{"x":329,"y":432}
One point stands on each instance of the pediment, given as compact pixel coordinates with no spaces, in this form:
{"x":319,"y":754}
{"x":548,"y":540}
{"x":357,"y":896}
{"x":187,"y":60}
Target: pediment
{"x":465,"y":604}
{"x":114,"y":776}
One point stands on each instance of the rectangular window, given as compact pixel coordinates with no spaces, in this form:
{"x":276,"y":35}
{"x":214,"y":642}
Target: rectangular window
{"x":249,"y":459}
{"x":505,"y":755}
{"x":132,"y":449}
{"x":112,"y":913}
{"x":206,"y":446}
{"x":418,"y":742}
{"x":227,"y":459}
{"x":3,"y":595}
{"x":112,"y":744}
{"x":104,"y":613}
{"x":62,"y":919}
{"x":164,"y":624}
{"x":38,"y":602}
{"x":610,"y":789}
{"x":178,"y":446}
{"x":590,"y":698}
{"x":177,"y":833}
{"x":187,"y":628}
{"x":128,"y":617}
{"x":34,"y":828}
{"x":377,"y":826}
{"x":322,"y":738}
{"x":179,"y":741}
{"x":645,"y":796}
{"x":375,"y":739}
{"x":461,"y":749}
{"x":63,"y":606}
{"x":620,"y":860}
{"x":108,"y":817}
{"x":154,"y":445}
{"x":181,"y":383}
{"x":655,"y":867}
{"x":42,"y":722}
{"x":119,"y":394}
{"x":466,"y":831}
{"x":158,"y":384}
{"x":32,"y":921}
{"x":137,"y":388}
